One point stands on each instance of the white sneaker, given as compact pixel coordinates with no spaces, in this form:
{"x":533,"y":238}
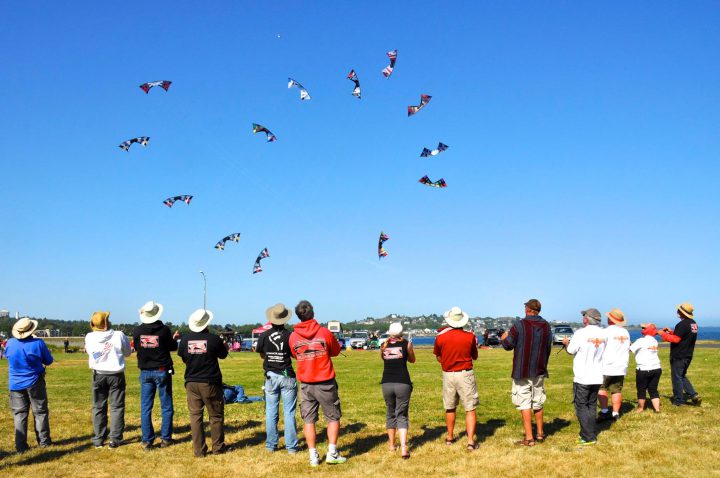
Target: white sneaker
{"x":335,"y":459}
{"x":314,"y":459}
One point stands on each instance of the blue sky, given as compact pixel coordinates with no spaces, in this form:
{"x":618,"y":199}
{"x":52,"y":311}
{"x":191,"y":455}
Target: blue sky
{"x":582,"y":165}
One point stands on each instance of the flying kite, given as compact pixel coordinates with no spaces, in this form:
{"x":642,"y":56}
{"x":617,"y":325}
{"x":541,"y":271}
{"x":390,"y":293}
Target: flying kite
{"x":263,"y":254}
{"x":440,"y":148}
{"x":424,"y":99}
{"x":143,"y":140}
{"x":387,"y":71}
{"x":258,"y":128}
{"x":352,"y":76}
{"x":232,"y":237}
{"x":440,"y":183}
{"x":381,"y":250}
{"x":304,"y":95}
{"x":184,"y":198}
{"x":165,"y":85}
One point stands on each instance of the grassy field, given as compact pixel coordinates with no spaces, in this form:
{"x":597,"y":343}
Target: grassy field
{"x":679,"y":441}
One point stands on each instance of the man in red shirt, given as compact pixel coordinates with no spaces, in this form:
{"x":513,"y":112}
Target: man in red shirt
{"x":456,"y":349}
{"x":313,"y":346}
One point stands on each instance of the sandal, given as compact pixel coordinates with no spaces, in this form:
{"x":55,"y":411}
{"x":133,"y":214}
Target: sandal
{"x":472,"y":446}
{"x":540,"y":438}
{"x":450,"y":441}
{"x":525,"y":442}
{"x":405,"y":454}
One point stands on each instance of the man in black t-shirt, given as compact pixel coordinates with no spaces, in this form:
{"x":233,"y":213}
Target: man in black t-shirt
{"x":682,"y":345}
{"x":273,"y":347}
{"x":200,"y":350}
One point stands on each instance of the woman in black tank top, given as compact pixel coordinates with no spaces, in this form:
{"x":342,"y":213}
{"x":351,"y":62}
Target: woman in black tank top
{"x":396,"y":352}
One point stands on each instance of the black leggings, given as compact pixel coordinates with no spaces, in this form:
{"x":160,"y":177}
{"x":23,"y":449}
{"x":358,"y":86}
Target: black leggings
{"x":647,"y":380}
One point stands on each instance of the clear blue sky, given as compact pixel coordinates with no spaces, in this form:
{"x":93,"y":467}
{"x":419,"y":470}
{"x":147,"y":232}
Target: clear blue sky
{"x":582,"y":167}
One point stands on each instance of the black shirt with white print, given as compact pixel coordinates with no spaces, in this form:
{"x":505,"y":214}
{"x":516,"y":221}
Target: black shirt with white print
{"x":200,"y":351}
{"x":274,"y":343}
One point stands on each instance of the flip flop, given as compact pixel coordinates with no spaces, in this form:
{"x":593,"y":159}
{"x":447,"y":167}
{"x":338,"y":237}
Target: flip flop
{"x":450,"y":441}
{"x":472,"y":446}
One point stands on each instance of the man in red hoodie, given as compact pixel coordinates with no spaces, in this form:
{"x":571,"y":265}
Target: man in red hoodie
{"x":313,"y":346}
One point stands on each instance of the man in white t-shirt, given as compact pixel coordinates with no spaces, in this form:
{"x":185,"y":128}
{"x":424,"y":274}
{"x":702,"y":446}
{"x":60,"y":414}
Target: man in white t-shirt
{"x":587,"y":345}
{"x":647,"y":375}
{"x":615,"y":363}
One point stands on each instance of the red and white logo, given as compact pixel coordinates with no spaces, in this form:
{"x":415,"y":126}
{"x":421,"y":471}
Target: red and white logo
{"x":149,"y":341}
{"x":393,"y":353}
{"x":694,"y":328}
{"x":197,"y":347}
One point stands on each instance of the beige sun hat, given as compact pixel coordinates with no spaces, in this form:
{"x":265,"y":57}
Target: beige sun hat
{"x":99,"y":321}
{"x":617,"y":317}
{"x":150,"y":312}
{"x":199,"y":320}
{"x":686,"y":309}
{"x":456,"y":318}
{"x":24,"y":328}
{"x":278,"y":314}
{"x":395,"y":329}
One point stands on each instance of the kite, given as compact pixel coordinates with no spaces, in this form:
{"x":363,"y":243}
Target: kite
{"x":143,"y":140}
{"x":424,"y":99}
{"x":258,"y":128}
{"x":165,"y":85}
{"x":232,"y":237}
{"x":426,"y":152}
{"x":263,"y":254}
{"x":381,"y":250}
{"x":387,"y":71}
{"x":184,"y":198}
{"x":352,"y":76}
{"x":440,"y":183}
{"x":304,"y":95}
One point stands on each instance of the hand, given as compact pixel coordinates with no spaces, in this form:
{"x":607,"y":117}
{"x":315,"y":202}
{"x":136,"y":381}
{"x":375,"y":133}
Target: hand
{"x":176,"y":335}
{"x":666,"y":330}
{"x":504,"y":336}
{"x":566,"y":341}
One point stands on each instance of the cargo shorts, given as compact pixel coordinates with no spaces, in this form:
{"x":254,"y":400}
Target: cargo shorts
{"x":528,"y":393}
{"x":613,"y":383}
{"x":460,"y":387}
{"x":316,"y":395}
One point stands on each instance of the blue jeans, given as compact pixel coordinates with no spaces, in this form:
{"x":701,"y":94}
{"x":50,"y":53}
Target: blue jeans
{"x":151,"y":380}
{"x":277,"y":386}
{"x":680,"y":382}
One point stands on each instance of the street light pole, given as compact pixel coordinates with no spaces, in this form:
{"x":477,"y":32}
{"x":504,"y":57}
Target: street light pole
{"x":204,"y":290}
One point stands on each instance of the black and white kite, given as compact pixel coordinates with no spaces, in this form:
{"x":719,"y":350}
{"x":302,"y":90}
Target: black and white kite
{"x":258,"y":128}
{"x":304,"y":95}
{"x":232,"y":237}
{"x":143,"y":140}
{"x":186,"y":198}
{"x":164,"y":84}
{"x":424,"y":99}
{"x":434,"y":152}
{"x":352,"y":76}
{"x":263,"y":254}
{"x":387,"y":71}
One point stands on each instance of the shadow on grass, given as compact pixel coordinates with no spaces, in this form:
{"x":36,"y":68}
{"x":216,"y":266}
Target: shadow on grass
{"x":236,"y":427}
{"x":487,"y":429}
{"x":625,"y":407}
{"x":48,"y":454}
{"x":555,"y":426}
{"x":428,"y":434}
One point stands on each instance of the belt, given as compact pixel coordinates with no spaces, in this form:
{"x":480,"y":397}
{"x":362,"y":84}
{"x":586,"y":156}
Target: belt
{"x":159,"y":369}
{"x":458,"y":371}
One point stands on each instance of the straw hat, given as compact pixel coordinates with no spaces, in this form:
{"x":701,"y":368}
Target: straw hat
{"x":150,"y":312}
{"x":617,"y":317}
{"x":24,"y":328}
{"x":278,"y":314}
{"x":686,"y":309}
{"x":456,"y":318}
{"x":396,"y":329}
{"x":199,"y":320}
{"x":99,"y":321}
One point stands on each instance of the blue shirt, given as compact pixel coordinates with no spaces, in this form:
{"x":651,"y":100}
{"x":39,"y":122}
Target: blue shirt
{"x":27,"y":359}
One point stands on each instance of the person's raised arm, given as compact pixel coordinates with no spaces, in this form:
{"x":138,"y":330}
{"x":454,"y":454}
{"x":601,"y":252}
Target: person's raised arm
{"x":411,"y":353}
{"x":222,"y":348}
{"x":47,"y":357}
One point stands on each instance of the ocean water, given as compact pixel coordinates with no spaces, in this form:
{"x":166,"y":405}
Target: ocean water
{"x":704,"y":333}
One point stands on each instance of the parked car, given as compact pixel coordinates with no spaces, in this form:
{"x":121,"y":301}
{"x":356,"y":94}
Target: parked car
{"x":360,"y":339}
{"x":340,"y":338}
{"x":382,"y":339}
{"x":248,"y":345}
{"x":560,"y":332}
{"x":492,"y":337}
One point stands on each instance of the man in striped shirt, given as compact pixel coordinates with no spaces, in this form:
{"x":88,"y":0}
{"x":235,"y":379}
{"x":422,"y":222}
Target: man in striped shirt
{"x":531,"y":341}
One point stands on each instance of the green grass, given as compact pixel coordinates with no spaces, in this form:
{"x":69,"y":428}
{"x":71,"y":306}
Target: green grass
{"x":679,"y":441}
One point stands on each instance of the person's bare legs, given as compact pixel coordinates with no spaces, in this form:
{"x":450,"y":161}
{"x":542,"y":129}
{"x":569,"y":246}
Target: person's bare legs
{"x":603,"y":399}
{"x":333,"y":432}
{"x":450,"y":422}
{"x":538,"y":424}
{"x":526,"y":416}
{"x":391,"y":438}
{"x":403,"y":432}
{"x":616,"y":402}
{"x":309,"y":430}
{"x":470,"y":421}
{"x":641,"y":404}
{"x":655,"y":404}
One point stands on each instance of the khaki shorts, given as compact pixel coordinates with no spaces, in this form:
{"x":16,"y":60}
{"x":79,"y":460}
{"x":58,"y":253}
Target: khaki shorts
{"x":528,"y":393}
{"x":613,"y":383}
{"x":316,"y":395}
{"x":460,"y":387}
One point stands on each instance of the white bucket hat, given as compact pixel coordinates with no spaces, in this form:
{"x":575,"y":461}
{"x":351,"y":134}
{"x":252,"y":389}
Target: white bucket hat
{"x":396,"y":329}
{"x":456,"y":318}
{"x":199,"y":320}
{"x":24,"y":328}
{"x":150,"y":312}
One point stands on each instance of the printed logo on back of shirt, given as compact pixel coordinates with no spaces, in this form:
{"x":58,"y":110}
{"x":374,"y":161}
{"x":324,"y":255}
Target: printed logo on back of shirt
{"x":149,"y":341}
{"x":694,"y":328}
{"x":393,"y":353}
{"x":310,"y":349}
{"x":621,"y":338}
{"x":596,"y":341}
{"x":197,"y":347}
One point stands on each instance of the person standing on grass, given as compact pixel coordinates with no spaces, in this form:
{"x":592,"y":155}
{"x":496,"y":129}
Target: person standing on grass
{"x":682,"y":346}
{"x":615,"y":363}
{"x":587,"y":345}
{"x":200,"y":350}
{"x":396,"y":352}
{"x":313,"y":346}
{"x":154,"y":342}
{"x":107,"y":349}
{"x":648,"y":370}
{"x":27,"y":359}
{"x":456,"y":349}
{"x":273,"y":345}
{"x":531,"y":341}
{"x":66,"y":344}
